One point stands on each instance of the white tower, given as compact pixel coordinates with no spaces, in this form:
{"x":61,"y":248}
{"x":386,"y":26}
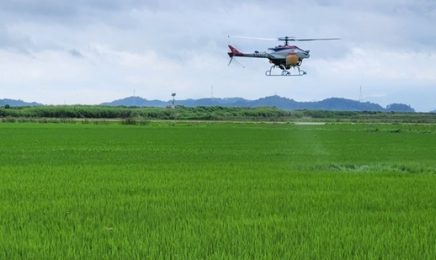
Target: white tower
{"x":173,"y":104}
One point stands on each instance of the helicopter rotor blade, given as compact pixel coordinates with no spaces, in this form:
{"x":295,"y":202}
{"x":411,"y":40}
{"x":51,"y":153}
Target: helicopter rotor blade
{"x":254,"y":38}
{"x":231,"y":59}
{"x":285,"y":38}
{"x":317,"y":39}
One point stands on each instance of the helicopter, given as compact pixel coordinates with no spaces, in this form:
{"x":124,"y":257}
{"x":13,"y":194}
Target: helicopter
{"x":285,"y":57}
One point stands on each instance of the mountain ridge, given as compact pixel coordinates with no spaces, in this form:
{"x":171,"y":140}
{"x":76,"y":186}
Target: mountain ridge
{"x":333,"y":103}
{"x":17,"y":102}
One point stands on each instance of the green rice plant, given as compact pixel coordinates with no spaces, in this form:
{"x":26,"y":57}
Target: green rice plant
{"x":217,"y":191}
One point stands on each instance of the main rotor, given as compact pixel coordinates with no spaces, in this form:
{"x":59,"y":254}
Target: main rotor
{"x":288,"y":39}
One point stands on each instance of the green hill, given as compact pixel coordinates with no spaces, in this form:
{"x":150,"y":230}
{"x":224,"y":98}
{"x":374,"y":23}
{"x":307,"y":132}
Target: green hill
{"x":271,"y":101}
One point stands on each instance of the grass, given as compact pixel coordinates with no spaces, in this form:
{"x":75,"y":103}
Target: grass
{"x":232,"y":191}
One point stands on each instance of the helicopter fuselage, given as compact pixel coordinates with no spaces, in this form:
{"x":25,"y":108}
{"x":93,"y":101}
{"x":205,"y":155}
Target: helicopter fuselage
{"x":276,"y":55}
{"x":285,"y":57}
{"x":281,"y":51}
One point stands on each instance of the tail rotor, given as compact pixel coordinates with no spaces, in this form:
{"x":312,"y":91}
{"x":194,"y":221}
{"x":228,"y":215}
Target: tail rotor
{"x":234,"y":52}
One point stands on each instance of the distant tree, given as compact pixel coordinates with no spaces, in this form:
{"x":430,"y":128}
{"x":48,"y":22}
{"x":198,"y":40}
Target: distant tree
{"x":7,"y":106}
{"x":399,"y":108}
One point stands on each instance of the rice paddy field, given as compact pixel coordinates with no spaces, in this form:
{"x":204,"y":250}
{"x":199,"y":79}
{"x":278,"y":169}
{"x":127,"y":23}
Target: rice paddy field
{"x":181,"y":190}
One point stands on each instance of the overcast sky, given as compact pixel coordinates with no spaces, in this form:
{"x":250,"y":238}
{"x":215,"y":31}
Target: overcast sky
{"x":94,"y":51}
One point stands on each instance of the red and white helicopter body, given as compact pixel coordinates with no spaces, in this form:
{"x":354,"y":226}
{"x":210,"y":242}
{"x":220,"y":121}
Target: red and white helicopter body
{"x":284,"y":56}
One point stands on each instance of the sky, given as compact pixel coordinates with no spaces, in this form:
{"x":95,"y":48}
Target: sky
{"x":95,"y":51}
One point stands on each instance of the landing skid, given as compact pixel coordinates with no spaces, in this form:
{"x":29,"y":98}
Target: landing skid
{"x":285,"y":72}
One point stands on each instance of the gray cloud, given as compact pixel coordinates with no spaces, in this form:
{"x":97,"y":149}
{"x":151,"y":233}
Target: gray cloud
{"x":160,"y":45}
{"x":61,"y":8}
{"x":75,"y":53}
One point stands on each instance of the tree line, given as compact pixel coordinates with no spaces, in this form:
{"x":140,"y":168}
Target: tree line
{"x":203,"y":113}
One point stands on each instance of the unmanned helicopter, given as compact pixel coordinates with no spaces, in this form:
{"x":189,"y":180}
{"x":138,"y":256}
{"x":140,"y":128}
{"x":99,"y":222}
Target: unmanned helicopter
{"x":285,"y":57}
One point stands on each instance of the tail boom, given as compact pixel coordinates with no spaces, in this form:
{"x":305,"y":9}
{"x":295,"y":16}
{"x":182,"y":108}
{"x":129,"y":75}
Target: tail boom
{"x":234,"y":52}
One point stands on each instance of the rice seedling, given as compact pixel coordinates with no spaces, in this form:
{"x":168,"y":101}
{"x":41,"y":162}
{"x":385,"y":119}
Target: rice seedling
{"x":204,"y":190}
